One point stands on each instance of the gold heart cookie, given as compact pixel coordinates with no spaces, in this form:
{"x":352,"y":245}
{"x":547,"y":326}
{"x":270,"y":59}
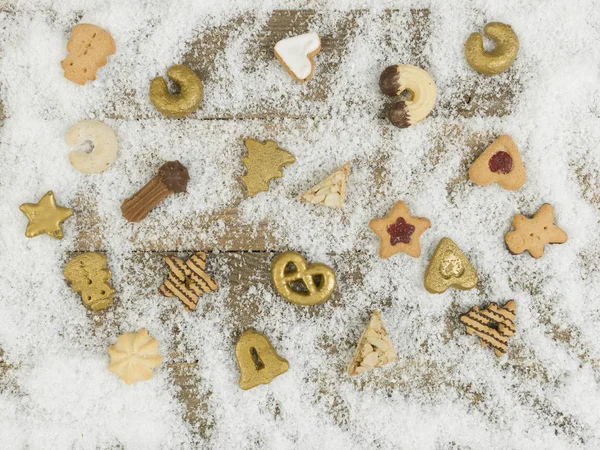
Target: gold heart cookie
{"x":449,"y":267}
{"x":284,"y":279}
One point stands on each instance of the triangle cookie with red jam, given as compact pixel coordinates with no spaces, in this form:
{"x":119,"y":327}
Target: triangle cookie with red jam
{"x":500,"y":163}
{"x":399,"y":232}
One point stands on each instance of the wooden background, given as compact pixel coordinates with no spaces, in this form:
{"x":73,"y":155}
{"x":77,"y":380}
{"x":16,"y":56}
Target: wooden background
{"x":248,"y":251}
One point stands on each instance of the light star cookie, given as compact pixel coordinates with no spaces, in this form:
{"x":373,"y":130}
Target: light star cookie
{"x":399,"y":232}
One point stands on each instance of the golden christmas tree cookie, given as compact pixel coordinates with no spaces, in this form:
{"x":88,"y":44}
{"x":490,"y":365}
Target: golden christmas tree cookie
{"x":258,"y":361}
{"x":399,"y":232}
{"x":500,"y":163}
{"x":90,"y":277}
{"x":187,"y":280}
{"x":331,"y":191}
{"x":45,"y":217}
{"x":374,"y":349}
{"x":264,"y":162}
{"x":134,"y":356}
{"x":533,"y":234}
{"x":493,"y":325}
{"x":449,"y":267}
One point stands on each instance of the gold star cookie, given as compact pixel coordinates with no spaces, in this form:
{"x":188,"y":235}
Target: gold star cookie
{"x":45,"y":217}
{"x":399,"y":232}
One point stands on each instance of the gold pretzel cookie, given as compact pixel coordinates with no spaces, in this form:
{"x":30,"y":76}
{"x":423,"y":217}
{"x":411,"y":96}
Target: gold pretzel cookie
{"x":88,"y":48}
{"x":90,"y":277}
{"x":290,"y":268}
{"x":258,"y":361}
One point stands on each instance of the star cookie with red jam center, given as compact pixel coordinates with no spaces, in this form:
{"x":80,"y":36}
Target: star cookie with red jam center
{"x":399,"y":232}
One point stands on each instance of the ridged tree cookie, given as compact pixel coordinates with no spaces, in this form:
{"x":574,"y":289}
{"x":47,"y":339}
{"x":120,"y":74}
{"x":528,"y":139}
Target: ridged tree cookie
{"x":375,"y":348}
{"x":500,"y":163}
{"x":493,"y":325}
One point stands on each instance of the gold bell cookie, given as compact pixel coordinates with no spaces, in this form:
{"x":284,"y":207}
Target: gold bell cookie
{"x":500,"y":163}
{"x":187,"y":280}
{"x":399,"y":232}
{"x":374,"y":349}
{"x":88,"y":48}
{"x":290,"y":267}
{"x":403,"y":77}
{"x":296,"y":55}
{"x":493,"y":325}
{"x":134,"y":356}
{"x":186,"y":101}
{"x":533,"y":234}
{"x":89,"y":276}
{"x":331,"y":191}
{"x":264,"y":162}
{"x":449,"y":267}
{"x":258,"y":361}
{"x":499,"y":59}
{"x":45,"y":217}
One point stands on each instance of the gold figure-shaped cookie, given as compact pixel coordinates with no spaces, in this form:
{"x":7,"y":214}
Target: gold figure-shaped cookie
{"x":90,"y":277}
{"x":493,"y":325}
{"x":284,"y":277}
{"x":449,"y":267}
{"x":258,"y":361}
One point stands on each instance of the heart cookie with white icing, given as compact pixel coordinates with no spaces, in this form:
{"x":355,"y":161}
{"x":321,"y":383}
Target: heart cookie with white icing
{"x":296,"y":53}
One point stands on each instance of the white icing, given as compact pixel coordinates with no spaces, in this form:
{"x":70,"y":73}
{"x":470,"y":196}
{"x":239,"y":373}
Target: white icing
{"x":294,"y":53}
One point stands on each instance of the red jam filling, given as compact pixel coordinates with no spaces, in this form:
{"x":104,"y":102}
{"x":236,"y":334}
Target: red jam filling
{"x":400,"y":231}
{"x":501,"y":162}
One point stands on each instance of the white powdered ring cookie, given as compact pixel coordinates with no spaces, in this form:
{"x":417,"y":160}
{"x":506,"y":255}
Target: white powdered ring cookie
{"x":396,"y":79}
{"x":296,"y":53}
{"x":104,"y":141}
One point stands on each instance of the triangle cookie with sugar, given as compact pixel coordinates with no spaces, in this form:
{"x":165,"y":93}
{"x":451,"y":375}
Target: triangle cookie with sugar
{"x":331,"y":191}
{"x":374,"y":349}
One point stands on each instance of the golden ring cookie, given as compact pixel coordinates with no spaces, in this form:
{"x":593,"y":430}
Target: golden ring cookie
{"x":290,"y":267}
{"x":499,"y":59}
{"x":183,"y":103}
{"x":404,"y":77}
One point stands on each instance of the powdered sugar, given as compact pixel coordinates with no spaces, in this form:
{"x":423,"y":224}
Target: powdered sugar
{"x":446,"y":391}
